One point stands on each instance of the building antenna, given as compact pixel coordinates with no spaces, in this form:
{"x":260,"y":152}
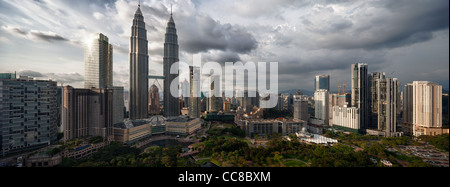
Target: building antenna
{"x":139,"y":5}
{"x":171,"y":9}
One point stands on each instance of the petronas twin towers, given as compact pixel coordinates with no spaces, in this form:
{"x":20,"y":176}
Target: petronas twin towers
{"x":139,"y":68}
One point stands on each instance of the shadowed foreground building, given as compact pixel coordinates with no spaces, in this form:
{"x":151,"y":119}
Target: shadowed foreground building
{"x":28,"y":117}
{"x":87,"y":112}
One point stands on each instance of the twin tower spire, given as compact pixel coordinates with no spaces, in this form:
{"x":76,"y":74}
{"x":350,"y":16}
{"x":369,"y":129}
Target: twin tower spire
{"x":139,"y":68}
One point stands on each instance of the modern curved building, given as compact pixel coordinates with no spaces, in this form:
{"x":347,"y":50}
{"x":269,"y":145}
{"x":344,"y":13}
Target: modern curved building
{"x":138,"y":100}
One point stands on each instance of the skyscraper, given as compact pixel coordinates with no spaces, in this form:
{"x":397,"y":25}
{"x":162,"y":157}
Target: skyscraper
{"x":374,"y":80}
{"x":388,"y":106}
{"x":322,"y":82}
{"x":360,"y":92}
{"x":98,"y":63}
{"x":138,"y":101}
{"x":321,"y":100}
{"x":384,"y":103}
{"x":214,"y":103}
{"x":194,"y":105}
{"x":300,"y":108}
{"x":422,"y":106}
{"x":171,"y":103}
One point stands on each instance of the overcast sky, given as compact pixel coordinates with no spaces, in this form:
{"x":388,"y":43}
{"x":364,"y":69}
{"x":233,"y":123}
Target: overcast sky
{"x":407,"y":39}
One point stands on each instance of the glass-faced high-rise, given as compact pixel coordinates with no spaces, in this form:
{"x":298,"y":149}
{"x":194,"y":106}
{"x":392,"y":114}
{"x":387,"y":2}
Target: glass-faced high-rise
{"x":98,"y":63}
{"x":322,"y":82}
{"x":360,"y":92}
{"x":171,"y":105}
{"x":138,"y":101}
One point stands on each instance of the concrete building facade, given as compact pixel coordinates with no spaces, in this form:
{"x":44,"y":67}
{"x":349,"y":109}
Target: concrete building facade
{"x":28,"y":116}
{"x":347,"y":119}
{"x":87,"y":112}
{"x":321,"y":100}
{"x":422,"y":107}
{"x":300,"y":108}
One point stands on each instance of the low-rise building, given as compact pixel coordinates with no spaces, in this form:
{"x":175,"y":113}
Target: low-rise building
{"x":263,"y":127}
{"x":182,"y":126}
{"x":131,"y":131}
{"x":346,"y":118}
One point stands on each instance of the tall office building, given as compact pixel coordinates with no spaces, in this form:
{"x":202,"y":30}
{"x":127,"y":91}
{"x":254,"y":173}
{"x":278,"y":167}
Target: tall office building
{"x":300,"y":108}
{"x":153,"y":98}
{"x":171,"y":103}
{"x":322,"y":82}
{"x":214,"y":100}
{"x":118,"y":104}
{"x":374,"y":82}
{"x":28,"y":116}
{"x":388,"y":106}
{"x":138,"y":100}
{"x":360,"y":92}
{"x":194,"y":105}
{"x":98,"y":63}
{"x":87,"y":112}
{"x":384,"y":104}
{"x":407,"y":104}
{"x":321,"y":100}
{"x":422,"y":107}
{"x":280,"y":103}
{"x":185,"y":90}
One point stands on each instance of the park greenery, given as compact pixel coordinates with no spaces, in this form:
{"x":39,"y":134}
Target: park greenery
{"x":226,"y":146}
{"x":439,"y":141}
{"x":117,"y":155}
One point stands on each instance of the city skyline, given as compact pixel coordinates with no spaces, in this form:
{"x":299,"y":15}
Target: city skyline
{"x":307,"y":38}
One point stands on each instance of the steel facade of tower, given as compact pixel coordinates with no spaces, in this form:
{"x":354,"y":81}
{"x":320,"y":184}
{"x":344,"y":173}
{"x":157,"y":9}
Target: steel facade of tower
{"x":138,"y":102}
{"x":171,"y":104}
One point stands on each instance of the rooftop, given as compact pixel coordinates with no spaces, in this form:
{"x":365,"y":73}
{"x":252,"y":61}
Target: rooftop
{"x":127,"y":124}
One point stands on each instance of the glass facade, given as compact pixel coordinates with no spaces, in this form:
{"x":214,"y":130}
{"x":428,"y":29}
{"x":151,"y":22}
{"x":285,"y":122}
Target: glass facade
{"x":98,"y":63}
{"x":322,"y":82}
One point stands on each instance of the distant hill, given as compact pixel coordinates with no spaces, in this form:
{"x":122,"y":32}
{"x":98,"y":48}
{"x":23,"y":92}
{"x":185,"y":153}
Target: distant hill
{"x":293,"y":91}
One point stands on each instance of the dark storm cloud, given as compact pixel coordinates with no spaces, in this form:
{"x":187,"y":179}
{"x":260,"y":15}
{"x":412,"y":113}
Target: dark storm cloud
{"x":202,"y":33}
{"x":49,"y":37}
{"x":221,"y":57}
{"x":397,"y":24}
